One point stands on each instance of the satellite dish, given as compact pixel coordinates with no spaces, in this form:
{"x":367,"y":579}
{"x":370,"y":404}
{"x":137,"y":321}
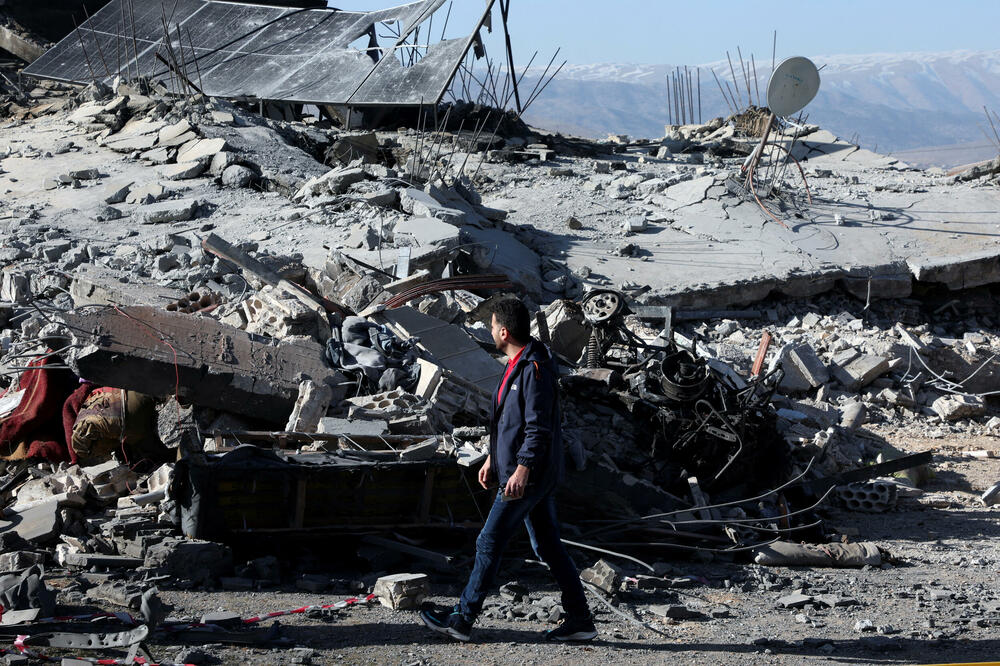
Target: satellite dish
{"x":793,"y":84}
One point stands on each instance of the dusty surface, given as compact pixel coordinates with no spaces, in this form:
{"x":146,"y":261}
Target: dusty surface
{"x":939,"y":603}
{"x":936,"y":602}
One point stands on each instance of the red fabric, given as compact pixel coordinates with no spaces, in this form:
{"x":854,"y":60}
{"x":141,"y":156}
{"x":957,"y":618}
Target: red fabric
{"x":36,"y":422}
{"x":510,"y":367}
{"x":71,"y":409}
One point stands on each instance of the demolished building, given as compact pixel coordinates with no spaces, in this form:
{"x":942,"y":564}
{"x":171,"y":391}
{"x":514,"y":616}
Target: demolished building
{"x":267,"y":54}
{"x":174,"y":403}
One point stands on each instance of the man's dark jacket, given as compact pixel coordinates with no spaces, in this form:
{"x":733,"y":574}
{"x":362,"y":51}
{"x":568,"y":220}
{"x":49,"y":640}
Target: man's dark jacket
{"x":525,"y":426}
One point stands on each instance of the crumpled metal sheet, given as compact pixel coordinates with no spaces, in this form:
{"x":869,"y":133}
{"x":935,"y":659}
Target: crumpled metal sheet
{"x":238,"y":50}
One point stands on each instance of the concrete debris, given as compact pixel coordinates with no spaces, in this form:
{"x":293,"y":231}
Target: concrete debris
{"x":604,"y":576}
{"x":311,"y":405}
{"x":245,"y":376}
{"x":954,"y":407}
{"x":871,"y":497}
{"x":331,"y":371}
{"x":402,"y":591}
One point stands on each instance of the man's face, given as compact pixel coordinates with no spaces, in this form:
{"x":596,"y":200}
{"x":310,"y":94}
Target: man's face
{"x":498,"y":332}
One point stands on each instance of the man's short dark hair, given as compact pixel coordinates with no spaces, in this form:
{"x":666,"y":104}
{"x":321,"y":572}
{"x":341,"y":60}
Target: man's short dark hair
{"x":512,"y":314}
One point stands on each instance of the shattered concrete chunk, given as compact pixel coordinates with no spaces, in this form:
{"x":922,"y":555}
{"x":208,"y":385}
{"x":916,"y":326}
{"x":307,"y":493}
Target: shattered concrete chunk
{"x":955,"y":407}
{"x":183,"y":170}
{"x":853,"y":416}
{"x":809,"y":365}
{"x":335,"y":181}
{"x":178,"y":210}
{"x":200,"y":150}
{"x":116,"y":191}
{"x":402,"y":591}
{"x":861,"y":371}
{"x":189,"y":559}
{"x":310,"y":406}
{"x":237,"y":175}
{"x":219,"y":366}
{"x":604,"y":576}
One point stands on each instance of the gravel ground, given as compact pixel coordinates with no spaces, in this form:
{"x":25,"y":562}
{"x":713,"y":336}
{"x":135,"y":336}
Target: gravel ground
{"x":938,"y":603}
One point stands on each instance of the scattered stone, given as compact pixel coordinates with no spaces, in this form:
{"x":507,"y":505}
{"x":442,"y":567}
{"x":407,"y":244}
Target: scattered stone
{"x":604,"y":576}
{"x":183,"y":170}
{"x":861,"y":371}
{"x":177,"y":210}
{"x":864,"y":626}
{"x":402,"y":591}
{"x":955,"y":407}
{"x":237,"y":175}
{"x":795,"y":600}
{"x":634,"y":224}
{"x":809,"y":365}
{"x":200,"y":150}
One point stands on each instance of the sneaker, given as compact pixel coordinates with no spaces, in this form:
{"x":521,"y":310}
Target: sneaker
{"x":573,"y":629}
{"x":449,"y":622}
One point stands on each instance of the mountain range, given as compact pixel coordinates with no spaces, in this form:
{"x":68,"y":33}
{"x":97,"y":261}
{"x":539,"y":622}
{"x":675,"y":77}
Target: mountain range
{"x":924,"y":107}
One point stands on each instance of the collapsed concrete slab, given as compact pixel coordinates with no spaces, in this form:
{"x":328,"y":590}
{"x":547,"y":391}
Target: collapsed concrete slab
{"x":450,"y":346}
{"x":204,"y":361}
{"x":94,"y":284}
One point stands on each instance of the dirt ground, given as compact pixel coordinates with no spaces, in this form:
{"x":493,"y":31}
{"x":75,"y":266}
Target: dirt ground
{"x":938,"y":603}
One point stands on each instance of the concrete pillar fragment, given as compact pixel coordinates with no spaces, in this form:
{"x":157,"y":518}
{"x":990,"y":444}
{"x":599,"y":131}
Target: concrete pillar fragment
{"x":311,"y":405}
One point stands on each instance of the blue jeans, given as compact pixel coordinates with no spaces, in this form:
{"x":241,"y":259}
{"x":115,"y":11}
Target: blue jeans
{"x":538,"y":511}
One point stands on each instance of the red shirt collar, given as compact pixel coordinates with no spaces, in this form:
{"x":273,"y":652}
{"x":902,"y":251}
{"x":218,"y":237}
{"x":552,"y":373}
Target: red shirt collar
{"x":511,"y":364}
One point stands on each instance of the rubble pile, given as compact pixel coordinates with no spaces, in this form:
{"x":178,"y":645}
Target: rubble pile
{"x":221,"y":331}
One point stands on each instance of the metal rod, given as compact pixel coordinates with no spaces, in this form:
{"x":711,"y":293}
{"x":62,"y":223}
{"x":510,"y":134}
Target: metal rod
{"x":577,"y":544}
{"x":670,"y":115}
{"x":504,"y":8}
{"x":732,"y":70}
{"x":135,"y":44}
{"x":197,"y":67}
{"x":994,"y":127}
{"x":725,"y":98}
{"x":128,"y":70}
{"x":746,"y":76}
{"x":545,"y":85}
{"x":774,"y":49}
{"x":544,"y":73}
{"x":85,"y":55}
{"x":755,"y":83}
{"x":733,"y":96}
{"x":446,"y":17}
{"x":698,"y":71}
{"x":100,"y":50}
{"x":690,"y":95}
{"x":677,"y":98}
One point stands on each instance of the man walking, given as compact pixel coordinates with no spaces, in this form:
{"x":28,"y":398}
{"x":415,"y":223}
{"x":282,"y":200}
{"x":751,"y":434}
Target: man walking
{"x":526,"y":457}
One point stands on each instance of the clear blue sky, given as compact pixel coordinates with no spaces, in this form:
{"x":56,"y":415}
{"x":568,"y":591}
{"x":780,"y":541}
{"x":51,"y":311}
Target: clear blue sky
{"x":690,"y":32}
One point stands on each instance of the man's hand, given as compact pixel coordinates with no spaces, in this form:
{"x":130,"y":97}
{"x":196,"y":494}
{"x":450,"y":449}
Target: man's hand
{"x":484,"y":473}
{"x":517,"y":482}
